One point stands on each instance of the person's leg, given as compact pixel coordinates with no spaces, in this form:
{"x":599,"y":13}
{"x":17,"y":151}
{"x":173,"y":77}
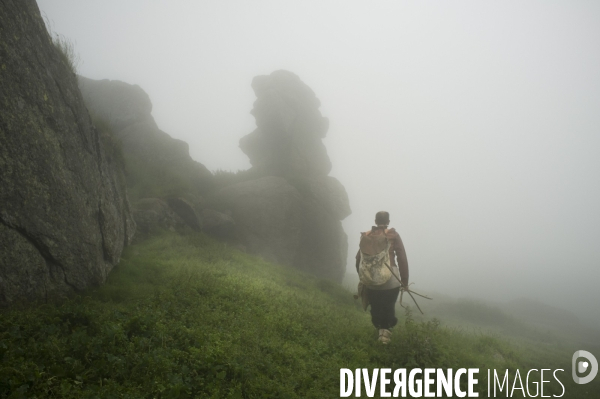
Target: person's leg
{"x":388,"y":310}
{"x":383,"y":314}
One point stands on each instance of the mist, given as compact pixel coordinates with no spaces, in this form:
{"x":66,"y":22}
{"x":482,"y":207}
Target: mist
{"x":474,"y":124}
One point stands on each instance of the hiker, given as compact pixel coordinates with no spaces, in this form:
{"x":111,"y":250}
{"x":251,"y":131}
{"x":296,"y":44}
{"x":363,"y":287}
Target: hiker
{"x":382,"y":297}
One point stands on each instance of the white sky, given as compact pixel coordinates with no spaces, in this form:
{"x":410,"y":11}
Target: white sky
{"x":481,"y":118}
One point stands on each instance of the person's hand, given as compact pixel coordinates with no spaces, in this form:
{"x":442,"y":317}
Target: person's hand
{"x":404,"y":288}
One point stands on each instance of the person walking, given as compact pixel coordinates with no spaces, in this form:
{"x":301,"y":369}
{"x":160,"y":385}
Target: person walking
{"x":382,"y":297}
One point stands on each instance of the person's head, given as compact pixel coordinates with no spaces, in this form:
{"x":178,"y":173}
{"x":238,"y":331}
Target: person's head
{"x":382,"y":218}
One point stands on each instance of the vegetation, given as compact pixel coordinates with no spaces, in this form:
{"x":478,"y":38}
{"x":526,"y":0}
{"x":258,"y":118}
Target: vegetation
{"x":185,"y":316}
{"x":475,"y":315}
{"x":65,"y":47}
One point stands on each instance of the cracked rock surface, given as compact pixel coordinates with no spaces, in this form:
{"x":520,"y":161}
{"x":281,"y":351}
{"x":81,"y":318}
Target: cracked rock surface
{"x":64,"y":213}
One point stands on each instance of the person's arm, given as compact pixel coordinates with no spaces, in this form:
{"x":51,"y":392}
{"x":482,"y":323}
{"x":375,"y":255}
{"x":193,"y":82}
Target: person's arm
{"x":401,"y":259}
{"x":358,"y":254}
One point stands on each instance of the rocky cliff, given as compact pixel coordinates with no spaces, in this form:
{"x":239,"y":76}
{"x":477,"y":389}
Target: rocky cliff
{"x":64,"y":213}
{"x":157,"y":164}
{"x":291,"y":211}
{"x":286,"y":207}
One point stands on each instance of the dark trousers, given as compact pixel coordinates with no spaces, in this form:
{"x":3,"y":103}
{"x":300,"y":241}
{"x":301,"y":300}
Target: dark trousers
{"x":383,"y":314}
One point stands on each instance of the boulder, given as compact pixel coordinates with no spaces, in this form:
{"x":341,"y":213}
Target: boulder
{"x":217,"y":224}
{"x":323,"y":247}
{"x":186,"y":212}
{"x":268,"y":214}
{"x":327,"y":191}
{"x":64,"y":212}
{"x":153,"y":215}
{"x":118,"y":103}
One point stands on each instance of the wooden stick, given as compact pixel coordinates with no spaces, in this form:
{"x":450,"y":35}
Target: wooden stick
{"x":401,"y":293}
{"x":407,"y":290}
{"x":413,"y":298}
{"x":424,"y":296}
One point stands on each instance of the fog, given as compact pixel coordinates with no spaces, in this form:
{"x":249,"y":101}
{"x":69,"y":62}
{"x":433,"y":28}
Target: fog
{"x":476,"y":125}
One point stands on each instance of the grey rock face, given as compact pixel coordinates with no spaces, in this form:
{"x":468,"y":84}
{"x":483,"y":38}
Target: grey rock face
{"x":323,"y":243}
{"x":64,"y":213}
{"x":157,"y":164}
{"x":290,"y":128}
{"x":287,"y":151}
{"x":275,"y":219}
{"x":186,"y":212}
{"x":153,"y":215}
{"x":119,"y":103}
{"x":326,"y":191}
{"x":268,"y":216}
{"x":217,"y":224}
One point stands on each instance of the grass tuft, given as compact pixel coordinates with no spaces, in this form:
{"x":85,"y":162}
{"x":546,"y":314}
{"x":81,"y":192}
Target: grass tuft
{"x":65,"y":47}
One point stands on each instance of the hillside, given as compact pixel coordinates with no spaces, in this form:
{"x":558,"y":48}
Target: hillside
{"x":522,"y":319}
{"x":186,"y":316}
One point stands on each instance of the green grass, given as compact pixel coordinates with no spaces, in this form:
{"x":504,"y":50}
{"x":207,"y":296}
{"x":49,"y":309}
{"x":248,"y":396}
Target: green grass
{"x":67,"y":52}
{"x":474,"y":315}
{"x":65,"y":47}
{"x":185,"y":316}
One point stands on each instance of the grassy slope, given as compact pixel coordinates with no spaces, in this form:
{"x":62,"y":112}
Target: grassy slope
{"x":185,"y":316}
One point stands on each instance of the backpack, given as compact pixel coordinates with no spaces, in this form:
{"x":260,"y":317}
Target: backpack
{"x":374,"y":267}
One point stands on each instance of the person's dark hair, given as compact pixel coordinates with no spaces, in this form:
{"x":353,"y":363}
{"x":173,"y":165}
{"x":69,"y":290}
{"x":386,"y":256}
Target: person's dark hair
{"x":382,"y":217}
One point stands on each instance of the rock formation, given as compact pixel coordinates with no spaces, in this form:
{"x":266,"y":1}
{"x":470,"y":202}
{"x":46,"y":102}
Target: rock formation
{"x":64,"y":213}
{"x":217,"y":224}
{"x":268,"y":215}
{"x":118,"y":103}
{"x":153,"y":215}
{"x":292,"y":211}
{"x":287,"y":140}
{"x":157,"y":164}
